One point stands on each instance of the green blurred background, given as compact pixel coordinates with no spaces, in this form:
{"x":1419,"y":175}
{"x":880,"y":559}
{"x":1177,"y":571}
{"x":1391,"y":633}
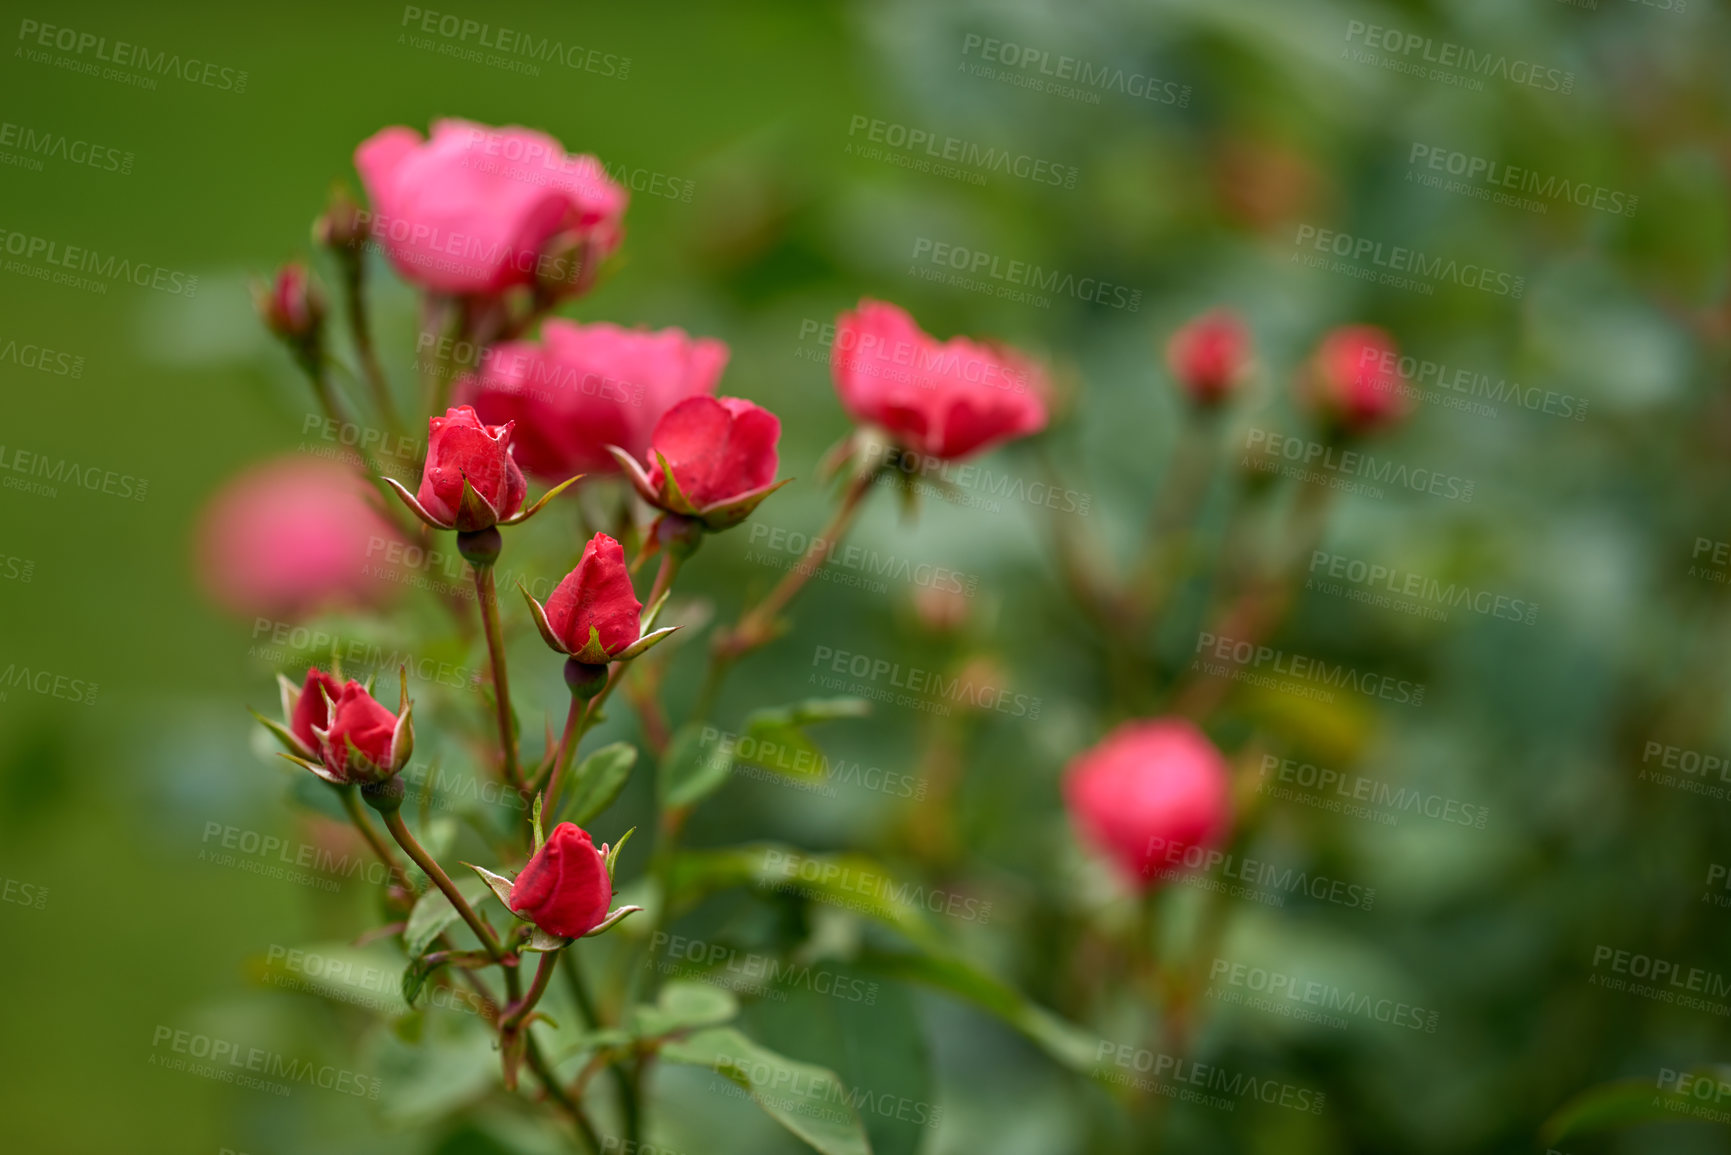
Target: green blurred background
{"x":107,"y":807}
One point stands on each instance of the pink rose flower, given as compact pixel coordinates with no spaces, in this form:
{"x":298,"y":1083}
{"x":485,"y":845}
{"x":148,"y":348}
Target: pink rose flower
{"x":472,"y":209}
{"x":564,"y":889}
{"x":291,"y":537}
{"x":1148,"y":792}
{"x":1209,"y":356}
{"x":721,"y":451}
{"x":585,"y":387}
{"x":947,"y":399}
{"x":1352,"y":380}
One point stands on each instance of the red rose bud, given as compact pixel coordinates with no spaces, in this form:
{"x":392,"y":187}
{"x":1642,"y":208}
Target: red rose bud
{"x":1209,"y":356}
{"x":463,"y":454}
{"x":1148,"y":793}
{"x":721,"y":453}
{"x":363,"y":741}
{"x":291,"y":305}
{"x":1352,"y":379}
{"x":593,"y":615}
{"x":564,"y":889}
{"x":945,"y":399}
{"x":310,"y":709}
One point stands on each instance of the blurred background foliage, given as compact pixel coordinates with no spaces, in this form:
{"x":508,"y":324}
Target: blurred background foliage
{"x":109,"y":806}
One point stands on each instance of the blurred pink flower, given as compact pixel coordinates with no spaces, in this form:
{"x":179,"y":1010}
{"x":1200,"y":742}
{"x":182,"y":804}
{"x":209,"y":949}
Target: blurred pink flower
{"x":472,"y":209}
{"x":1353,"y":379}
{"x":585,"y":387}
{"x":1148,"y":793}
{"x":1209,"y":355}
{"x":289,"y":537}
{"x":948,"y":399}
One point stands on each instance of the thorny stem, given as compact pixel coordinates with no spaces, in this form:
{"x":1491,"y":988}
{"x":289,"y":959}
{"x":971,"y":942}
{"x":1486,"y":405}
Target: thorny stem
{"x":488,"y":599}
{"x":522,"y":1009}
{"x":360,"y":328}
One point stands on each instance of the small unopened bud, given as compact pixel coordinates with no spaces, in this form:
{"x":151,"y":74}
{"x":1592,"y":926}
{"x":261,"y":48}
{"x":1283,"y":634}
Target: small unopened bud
{"x":342,"y":226}
{"x":584,"y":679}
{"x":291,"y":306}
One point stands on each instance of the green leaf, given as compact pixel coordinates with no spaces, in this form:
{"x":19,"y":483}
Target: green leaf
{"x":448,"y":1071}
{"x":1623,"y":1103}
{"x":433,"y":912}
{"x":415,"y":976}
{"x":869,"y":1034}
{"x":340,"y":973}
{"x":849,"y":881}
{"x":806,"y":1099}
{"x":783,"y":727}
{"x":693,"y":768}
{"x":1069,"y":1044}
{"x":598,"y":781}
{"x":683,"y":1006}
{"x":535,"y":825}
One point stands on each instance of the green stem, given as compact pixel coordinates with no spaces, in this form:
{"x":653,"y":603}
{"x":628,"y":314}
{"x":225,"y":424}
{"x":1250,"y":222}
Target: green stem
{"x":360,"y":328}
{"x":576,"y":724}
{"x":556,"y":1091}
{"x":418,"y":854}
{"x":488,"y":599}
{"x":358,"y":815}
{"x":543,"y":976}
{"x":623,"y":1086}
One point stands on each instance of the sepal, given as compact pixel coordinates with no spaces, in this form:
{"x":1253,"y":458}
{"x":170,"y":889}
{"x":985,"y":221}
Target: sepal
{"x":613,"y":919}
{"x":544,"y":941}
{"x":641,"y":645}
{"x":539,"y":613}
{"x":530,"y":511}
{"x":497,"y":883}
{"x":283,"y":735}
{"x":609,"y":855}
{"x":414,"y":503}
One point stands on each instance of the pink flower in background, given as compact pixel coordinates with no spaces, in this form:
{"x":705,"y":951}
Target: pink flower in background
{"x":947,"y":399}
{"x":472,"y":209}
{"x":461,"y":450}
{"x":1353,"y":379}
{"x":582,"y":388}
{"x":1147,"y":793}
{"x":291,"y":537}
{"x":1210,"y":355}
